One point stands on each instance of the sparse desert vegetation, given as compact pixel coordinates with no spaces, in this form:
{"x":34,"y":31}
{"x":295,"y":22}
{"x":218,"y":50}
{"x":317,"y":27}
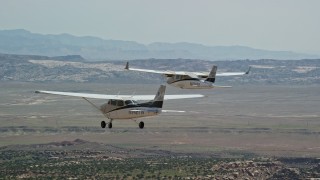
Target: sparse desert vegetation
{"x":68,"y":159}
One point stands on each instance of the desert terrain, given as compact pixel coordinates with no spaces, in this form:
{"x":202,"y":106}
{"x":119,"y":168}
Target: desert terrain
{"x":243,"y":122}
{"x":277,"y":120}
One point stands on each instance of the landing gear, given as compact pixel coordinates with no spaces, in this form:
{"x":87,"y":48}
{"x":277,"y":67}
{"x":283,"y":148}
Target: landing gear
{"x":141,"y":125}
{"x":110,"y":125}
{"x":103,"y":124}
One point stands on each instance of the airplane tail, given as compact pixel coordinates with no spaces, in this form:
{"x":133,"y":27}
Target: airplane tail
{"x":212,"y":74}
{"x":158,"y":99}
{"x":127,"y":66}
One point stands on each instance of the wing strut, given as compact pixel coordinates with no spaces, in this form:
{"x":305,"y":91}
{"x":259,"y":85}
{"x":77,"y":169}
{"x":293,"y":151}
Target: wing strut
{"x":95,"y":106}
{"x":91,"y":103}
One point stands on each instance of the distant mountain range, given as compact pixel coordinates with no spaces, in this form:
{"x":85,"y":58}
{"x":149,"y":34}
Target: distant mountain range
{"x":93,"y":48}
{"x":32,"y":68}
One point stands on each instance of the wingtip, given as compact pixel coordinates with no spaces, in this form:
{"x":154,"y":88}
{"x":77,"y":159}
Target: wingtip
{"x":36,"y":91}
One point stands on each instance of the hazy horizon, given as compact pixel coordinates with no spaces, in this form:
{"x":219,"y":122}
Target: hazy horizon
{"x":270,"y":25}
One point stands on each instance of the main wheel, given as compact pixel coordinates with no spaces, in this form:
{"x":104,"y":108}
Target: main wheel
{"x":110,"y":125}
{"x":141,"y":125}
{"x":103,"y":124}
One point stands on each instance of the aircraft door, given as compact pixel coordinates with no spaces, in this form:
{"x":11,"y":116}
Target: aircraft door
{"x":118,"y":113}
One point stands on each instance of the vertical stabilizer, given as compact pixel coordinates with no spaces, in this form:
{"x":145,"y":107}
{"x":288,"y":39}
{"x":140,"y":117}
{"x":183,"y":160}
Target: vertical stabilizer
{"x":158,"y":99}
{"x":160,"y":94}
{"x":127,"y":66}
{"x":212,"y":74}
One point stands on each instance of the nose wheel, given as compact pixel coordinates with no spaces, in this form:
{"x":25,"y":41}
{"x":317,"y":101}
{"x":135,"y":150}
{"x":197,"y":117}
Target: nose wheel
{"x":141,"y":125}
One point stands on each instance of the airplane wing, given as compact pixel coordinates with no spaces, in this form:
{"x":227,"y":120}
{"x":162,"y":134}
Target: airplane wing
{"x":232,"y":73}
{"x":167,"y":73}
{"x":120,"y":97}
{"x":153,"y":71}
{"x":191,"y":74}
{"x":205,"y":75}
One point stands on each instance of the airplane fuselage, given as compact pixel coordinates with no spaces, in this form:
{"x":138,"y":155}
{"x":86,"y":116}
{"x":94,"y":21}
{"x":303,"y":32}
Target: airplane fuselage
{"x":133,"y":113}
{"x":121,"y":110}
{"x":189,"y":83}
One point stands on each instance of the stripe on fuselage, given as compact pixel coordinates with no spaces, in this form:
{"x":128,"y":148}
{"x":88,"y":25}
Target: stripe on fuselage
{"x":154,"y":104}
{"x":189,"y":79}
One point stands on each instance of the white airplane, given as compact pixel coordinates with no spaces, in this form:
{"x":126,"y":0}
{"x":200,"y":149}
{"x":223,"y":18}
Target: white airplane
{"x":191,"y":80}
{"x":126,"y":106}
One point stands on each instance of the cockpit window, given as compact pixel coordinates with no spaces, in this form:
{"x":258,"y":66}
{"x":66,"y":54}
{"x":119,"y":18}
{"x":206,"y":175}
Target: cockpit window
{"x":120,"y":103}
{"x":113,"y":102}
{"x":130,"y":102}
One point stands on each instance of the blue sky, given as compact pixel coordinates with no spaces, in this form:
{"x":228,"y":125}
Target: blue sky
{"x":292,"y":25}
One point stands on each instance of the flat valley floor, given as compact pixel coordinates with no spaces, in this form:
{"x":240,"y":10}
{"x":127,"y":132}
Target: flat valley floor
{"x":282,"y":121}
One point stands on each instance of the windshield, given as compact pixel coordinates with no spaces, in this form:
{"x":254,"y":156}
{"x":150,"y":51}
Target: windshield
{"x":130,"y":102}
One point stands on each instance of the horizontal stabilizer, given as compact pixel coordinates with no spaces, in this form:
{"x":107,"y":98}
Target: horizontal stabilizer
{"x":222,"y":86}
{"x":173,"y":111}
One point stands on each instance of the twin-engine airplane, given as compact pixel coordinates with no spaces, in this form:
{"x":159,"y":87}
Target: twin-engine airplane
{"x":126,"y":106}
{"x":191,"y":80}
